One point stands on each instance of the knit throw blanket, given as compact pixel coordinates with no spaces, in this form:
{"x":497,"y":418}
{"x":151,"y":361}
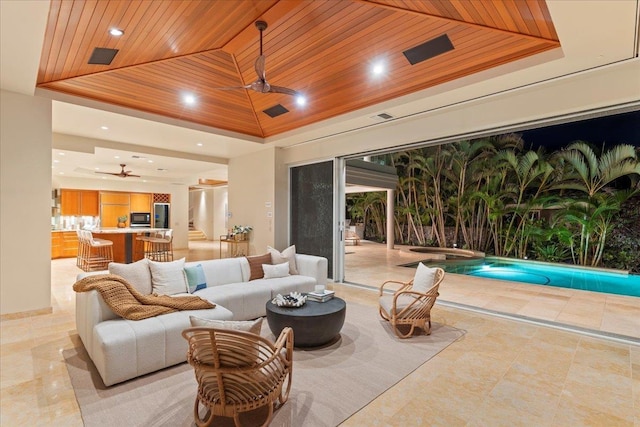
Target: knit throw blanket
{"x":130,"y":304}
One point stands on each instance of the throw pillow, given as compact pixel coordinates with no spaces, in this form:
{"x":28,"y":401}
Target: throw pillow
{"x":288,"y":254}
{"x":168,"y":278}
{"x":423,"y":279}
{"x":255,"y":265}
{"x":195,"y":278}
{"x":136,"y":273}
{"x":275,"y":271}
{"x":253,"y":326}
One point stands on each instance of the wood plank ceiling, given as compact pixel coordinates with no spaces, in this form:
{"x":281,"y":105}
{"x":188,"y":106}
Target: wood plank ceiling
{"x":322,"y":49}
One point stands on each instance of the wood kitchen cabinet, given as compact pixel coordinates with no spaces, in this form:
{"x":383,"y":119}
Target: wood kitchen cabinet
{"x":69,"y":202}
{"x":140,"y":202}
{"x":64,"y":244}
{"x":56,"y":244}
{"x":89,"y":203}
{"x":109,"y":214}
{"x":107,"y":198}
{"x":79,"y":202}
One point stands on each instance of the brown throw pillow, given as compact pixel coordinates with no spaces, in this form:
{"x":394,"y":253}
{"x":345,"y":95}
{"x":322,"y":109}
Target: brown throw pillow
{"x":255,"y":265}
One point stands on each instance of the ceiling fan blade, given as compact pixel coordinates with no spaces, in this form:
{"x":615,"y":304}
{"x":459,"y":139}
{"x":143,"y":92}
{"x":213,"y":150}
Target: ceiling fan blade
{"x":130,"y":175}
{"x":260,"y":67}
{"x":233,"y":87}
{"x":108,"y":173}
{"x":285,"y":90}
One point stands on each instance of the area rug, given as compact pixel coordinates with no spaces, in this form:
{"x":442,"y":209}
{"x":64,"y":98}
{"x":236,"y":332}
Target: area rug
{"x":330,"y":383}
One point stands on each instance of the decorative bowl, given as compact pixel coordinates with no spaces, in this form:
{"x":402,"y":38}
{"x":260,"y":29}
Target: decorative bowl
{"x":294,"y":299}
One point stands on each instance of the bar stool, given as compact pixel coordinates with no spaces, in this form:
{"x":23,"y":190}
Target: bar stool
{"x":159,"y":247}
{"x":81,"y":249}
{"x":98,"y":253}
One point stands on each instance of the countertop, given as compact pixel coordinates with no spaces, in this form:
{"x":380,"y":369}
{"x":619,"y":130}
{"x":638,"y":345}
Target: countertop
{"x":115,"y":230}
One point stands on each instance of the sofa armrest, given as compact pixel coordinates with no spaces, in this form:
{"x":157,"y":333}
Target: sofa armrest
{"x":313,"y":266}
{"x":90,"y":311}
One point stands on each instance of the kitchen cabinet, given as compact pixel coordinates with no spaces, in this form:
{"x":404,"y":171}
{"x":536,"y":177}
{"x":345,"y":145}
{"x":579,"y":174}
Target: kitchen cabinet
{"x":69,"y":244}
{"x":69,"y":202}
{"x":140,"y":202}
{"x":64,"y":244}
{"x":78,"y":202}
{"x":56,"y":244}
{"x":109,"y":214}
{"x":89,"y":203}
{"x":107,"y":198}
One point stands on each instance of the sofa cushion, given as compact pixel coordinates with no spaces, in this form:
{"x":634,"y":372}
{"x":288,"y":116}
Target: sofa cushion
{"x":255,"y":265}
{"x":137,"y":273}
{"x":286,"y":285}
{"x":253,"y":326}
{"x":195,"y":278}
{"x":168,"y":278}
{"x":224,"y":271}
{"x":275,"y":271}
{"x":245,"y":300}
{"x":288,"y":254}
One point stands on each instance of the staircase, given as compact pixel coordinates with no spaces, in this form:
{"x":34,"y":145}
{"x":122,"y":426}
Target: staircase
{"x":196,"y":235}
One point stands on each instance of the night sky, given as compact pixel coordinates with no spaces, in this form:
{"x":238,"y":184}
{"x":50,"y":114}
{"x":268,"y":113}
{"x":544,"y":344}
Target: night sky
{"x":611,"y":130}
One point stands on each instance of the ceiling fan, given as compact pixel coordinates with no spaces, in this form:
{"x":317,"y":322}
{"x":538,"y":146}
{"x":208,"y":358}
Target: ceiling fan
{"x":261,"y":85}
{"x":122,"y":174}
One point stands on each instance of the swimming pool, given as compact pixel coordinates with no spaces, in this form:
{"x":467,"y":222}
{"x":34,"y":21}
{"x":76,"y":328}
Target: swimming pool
{"x":540,"y":273}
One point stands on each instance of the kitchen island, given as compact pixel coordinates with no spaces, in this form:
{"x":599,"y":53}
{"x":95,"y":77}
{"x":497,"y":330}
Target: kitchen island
{"x":126,"y":247}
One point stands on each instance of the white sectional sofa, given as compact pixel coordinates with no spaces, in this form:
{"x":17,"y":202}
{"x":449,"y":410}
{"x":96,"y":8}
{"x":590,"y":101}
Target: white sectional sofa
{"x":123,"y":349}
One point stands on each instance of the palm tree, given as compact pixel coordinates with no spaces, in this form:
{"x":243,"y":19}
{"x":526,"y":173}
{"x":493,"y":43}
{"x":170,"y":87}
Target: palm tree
{"x":590,"y":175}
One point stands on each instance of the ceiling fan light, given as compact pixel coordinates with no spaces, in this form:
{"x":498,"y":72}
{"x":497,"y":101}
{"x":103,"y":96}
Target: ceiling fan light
{"x":301,"y":100}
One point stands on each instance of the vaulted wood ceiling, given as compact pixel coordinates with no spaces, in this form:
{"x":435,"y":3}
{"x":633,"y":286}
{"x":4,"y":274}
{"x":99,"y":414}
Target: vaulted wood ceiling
{"x":323,"y":49}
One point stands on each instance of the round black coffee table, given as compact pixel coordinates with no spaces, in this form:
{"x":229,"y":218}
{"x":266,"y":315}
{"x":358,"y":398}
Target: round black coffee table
{"x":313,"y":324}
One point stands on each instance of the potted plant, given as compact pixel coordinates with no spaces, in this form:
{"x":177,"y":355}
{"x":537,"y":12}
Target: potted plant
{"x":122,"y":221}
{"x":239,"y":232}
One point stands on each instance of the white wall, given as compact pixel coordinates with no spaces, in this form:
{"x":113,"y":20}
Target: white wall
{"x":179,"y":217}
{"x":220,"y":203}
{"x":209,"y":210}
{"x":25,"y":203}
{"x":251,"y":189}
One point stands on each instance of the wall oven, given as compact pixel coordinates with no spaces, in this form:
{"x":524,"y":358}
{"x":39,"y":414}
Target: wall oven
{"x":140,"y":219}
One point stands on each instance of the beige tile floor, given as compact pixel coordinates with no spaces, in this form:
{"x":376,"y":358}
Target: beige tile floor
{"x":501,"y":373}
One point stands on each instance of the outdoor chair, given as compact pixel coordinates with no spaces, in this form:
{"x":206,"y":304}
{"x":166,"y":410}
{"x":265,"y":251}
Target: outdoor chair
{"x":238,"y":372}
{"x":408,"y":308}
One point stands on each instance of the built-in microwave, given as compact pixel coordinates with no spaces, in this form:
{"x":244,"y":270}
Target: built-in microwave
{"x":140,"y":219}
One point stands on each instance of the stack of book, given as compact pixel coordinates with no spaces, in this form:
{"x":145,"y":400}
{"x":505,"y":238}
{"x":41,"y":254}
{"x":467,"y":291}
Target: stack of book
{"x":322,"y":296}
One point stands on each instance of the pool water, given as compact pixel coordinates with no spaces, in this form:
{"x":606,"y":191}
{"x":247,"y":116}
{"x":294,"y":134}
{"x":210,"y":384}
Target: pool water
{"x":545,"y":274}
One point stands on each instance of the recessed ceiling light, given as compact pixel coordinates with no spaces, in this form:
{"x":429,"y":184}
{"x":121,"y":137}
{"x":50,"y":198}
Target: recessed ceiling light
{"x":56,"y":161}
{"x":378,"y":68}
{"x":116,"y":157}
{"x":199,"y":144}
{"x":104,"y":127}
{"x":144,"y":180}
{"x":189,"y":99}
{"x":97,"y":169}
{"x":116,"y":32}
{"x":150,"y":161}
{"x":301,"y":101}
{"x":61,"y":173}
{"x":104,"y":177}
{"x":61,"y":154}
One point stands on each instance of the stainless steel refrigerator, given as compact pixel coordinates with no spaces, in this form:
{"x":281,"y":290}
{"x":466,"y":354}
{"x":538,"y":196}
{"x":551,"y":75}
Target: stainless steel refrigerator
{"x":161,"y":215}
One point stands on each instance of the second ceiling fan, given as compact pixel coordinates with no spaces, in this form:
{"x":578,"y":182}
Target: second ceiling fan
{"x":261,"y":85}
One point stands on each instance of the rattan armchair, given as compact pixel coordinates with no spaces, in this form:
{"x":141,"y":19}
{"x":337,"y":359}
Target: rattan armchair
{"x":238,"y":372}
{"x":408,"y":309}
